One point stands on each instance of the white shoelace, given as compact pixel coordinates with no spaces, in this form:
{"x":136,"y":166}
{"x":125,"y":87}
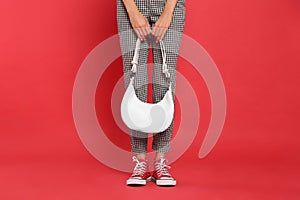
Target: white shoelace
{"x":162,"y":168}
{"x":140,"y":167}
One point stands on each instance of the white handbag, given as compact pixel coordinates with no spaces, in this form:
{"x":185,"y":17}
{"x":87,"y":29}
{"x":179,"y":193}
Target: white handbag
{"x":147,"y":117}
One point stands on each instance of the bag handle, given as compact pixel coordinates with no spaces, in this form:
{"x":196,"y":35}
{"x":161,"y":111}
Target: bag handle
{"x":163,"y":53}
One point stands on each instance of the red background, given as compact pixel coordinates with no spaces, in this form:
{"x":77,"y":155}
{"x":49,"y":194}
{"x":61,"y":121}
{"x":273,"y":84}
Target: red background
{"x":254,"y":43}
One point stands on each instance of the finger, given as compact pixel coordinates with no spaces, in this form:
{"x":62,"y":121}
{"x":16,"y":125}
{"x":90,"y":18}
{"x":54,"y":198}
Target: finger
{"x":144,"y":32}
{"x":145,"y":27}
{"x":148,"y":30}
{"x":155,"y":32}
{"x":164,"y":30}
{"x":142,"y":37}
{"x":159,"y":35}
{"x":138,"y":33}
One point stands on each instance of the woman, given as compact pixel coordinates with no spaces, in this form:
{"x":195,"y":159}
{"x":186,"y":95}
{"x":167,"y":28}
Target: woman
{"x":151,"y":21}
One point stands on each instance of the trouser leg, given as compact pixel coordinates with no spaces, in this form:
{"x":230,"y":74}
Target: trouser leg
{"x":172,"y":39}
{"x":128,"y":39}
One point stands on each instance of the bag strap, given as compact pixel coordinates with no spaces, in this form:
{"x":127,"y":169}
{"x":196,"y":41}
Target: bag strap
{"x":163,"y":53}
{"x":135,"y":59}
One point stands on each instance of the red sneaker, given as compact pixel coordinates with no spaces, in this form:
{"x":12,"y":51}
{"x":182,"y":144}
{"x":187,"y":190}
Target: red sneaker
{"x":161,"y":175}
{"x":140,"y":175}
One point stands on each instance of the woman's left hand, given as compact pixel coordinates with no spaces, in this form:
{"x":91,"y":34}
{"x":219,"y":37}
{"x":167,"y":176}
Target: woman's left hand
{"x":161,"y":26}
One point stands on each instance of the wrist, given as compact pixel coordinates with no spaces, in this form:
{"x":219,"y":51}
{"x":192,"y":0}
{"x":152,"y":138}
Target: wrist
{"x":168,"y":12}
{"x":133,"y":10}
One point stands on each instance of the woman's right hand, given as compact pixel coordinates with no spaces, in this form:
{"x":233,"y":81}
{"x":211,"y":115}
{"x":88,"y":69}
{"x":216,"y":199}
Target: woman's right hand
{"x":139,"y":24}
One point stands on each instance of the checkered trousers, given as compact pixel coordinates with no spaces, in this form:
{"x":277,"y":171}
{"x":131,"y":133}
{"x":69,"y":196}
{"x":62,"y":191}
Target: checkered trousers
{"x":151,"y":9}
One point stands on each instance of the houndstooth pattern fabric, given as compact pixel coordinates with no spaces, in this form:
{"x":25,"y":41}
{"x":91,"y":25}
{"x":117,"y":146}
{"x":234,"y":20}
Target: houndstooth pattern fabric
{"x":151,"y":9}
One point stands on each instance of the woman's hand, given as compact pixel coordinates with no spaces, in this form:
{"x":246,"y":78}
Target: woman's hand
{"x":161,"y":26}
{"x":139,"y":24}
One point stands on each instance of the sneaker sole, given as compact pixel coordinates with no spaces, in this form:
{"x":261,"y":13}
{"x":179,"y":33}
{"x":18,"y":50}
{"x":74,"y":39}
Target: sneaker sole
{"x":135,"y":181}
{"x":164,"y":182}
